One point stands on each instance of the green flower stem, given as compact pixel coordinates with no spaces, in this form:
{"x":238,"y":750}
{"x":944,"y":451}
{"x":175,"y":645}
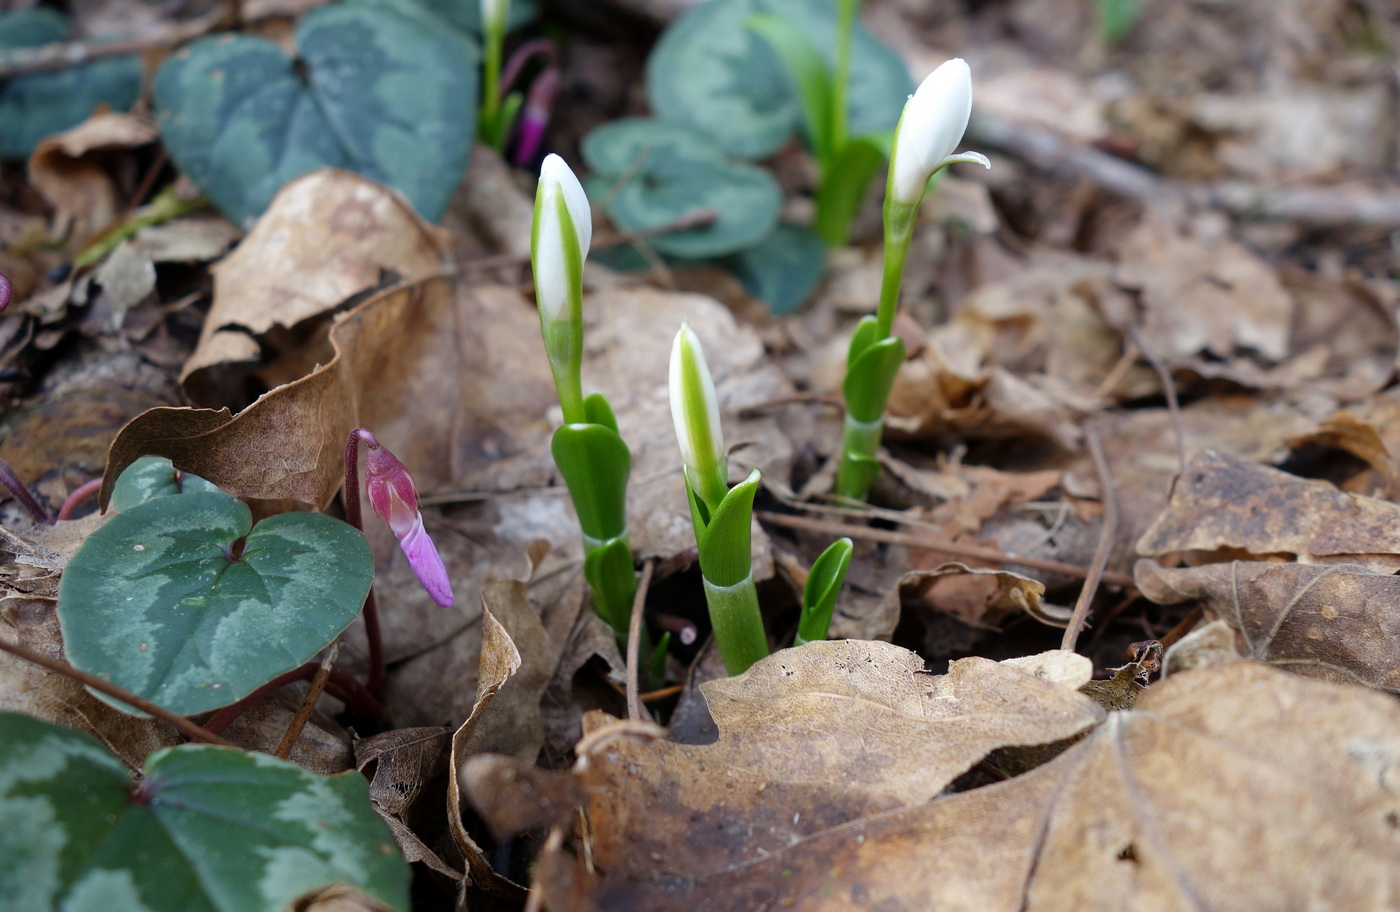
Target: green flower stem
{"x":563,"y":343}
{"x":841,"y":78}
{"x":737,"y":623}
{"x":491,"y":131}
{"x":899,"y":232}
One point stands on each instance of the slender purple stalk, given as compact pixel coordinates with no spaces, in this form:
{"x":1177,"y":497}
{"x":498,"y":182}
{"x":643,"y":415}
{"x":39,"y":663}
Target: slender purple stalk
{"x":21,"y":493}
{"x":7,"y":291}
{"x":534,"y":117}
{"x":79,"y":494}
{"x":355,"y":518}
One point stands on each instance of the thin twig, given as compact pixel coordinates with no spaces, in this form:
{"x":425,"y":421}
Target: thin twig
{"x":115,"y":692}
{"x":51,"y":57}
{"x":635,"y":710}
{"x":308,"y":702}
{"x":1164,"y":375}
{"x":929,"y":543}
{"x":1106,"y":534}
{"x":340,"y":684}
{"x":1116,"y":374}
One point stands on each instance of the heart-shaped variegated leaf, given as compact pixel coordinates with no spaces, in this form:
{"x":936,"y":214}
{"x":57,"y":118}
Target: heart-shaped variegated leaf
{"x":184,"y":602}
{"x":375,"y":90}
{"x":208,"y":829}
{"x":650,"y":174}
{"x":40,"y":104}
{"x":154,"y":476}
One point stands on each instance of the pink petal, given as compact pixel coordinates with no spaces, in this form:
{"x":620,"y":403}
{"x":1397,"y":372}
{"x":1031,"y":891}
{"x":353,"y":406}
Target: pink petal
{"x":423,"y":557}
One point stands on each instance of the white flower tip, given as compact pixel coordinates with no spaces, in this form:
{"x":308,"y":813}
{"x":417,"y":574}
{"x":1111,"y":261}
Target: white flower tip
{"x":694,"y":404}
{"x":934,"y":120}
{"x":493,"y":12}
{"x":555,"y":173}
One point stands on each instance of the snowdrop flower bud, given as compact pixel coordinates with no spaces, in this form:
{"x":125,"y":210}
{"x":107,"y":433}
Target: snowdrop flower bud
{"x":695,"y":411}
{"x":493,"y":14}
{"x":930,"y":128}
{"x":563,"y":229}
{"x":394,"y":499}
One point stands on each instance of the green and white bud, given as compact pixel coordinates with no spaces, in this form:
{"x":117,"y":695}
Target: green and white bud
{"x":695,"y":411}
{"x":934,"y":120}
{"x":559,"y":240}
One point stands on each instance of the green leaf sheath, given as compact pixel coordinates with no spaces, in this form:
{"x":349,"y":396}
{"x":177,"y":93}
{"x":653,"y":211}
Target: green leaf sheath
{"x":595,"y":463}
{"x":807,"y":68}
{"x":156,"y":601}
{"x":608,"y":569}
{"x":725,"y":547}
{"x":843,"y":188}
{"x":737,"y":623}
{"x":726,"y":564}
{"x":210,"y":830}
{"x":820,"y":592}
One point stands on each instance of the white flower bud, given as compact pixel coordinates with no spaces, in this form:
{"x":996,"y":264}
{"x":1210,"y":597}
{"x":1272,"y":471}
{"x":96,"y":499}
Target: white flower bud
{"x":558,"y":190}
{"x":930,"y":128}
{"x":695,"y":411}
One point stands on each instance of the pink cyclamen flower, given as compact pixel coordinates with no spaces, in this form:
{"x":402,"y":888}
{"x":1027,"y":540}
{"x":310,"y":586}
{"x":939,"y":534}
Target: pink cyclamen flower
{"x":394,"y":498}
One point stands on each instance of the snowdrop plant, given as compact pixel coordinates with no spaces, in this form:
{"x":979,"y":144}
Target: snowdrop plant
{"x":722,"y":516}
{"x":929,"y":131}
{"x":589,"y":451}
{"x":845,"y":163}
{"x":495,"y":118}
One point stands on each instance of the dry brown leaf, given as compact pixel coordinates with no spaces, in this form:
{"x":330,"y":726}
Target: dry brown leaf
{"x":76,"y":171}
{"x":1204,"y":295}
{"x":1231,"y":788}
{"x":810,"y":738}
{"x":405,"y":761}
{"x":325,"y":236}
{"x":1224,"y":504}
{"x":1333,"y":621}
{"x":977,"y":596}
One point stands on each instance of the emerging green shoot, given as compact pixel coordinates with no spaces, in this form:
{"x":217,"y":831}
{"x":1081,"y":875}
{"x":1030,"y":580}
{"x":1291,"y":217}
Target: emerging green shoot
{"x":929,"y":130}
{"x":494,"y":121}
{"x":722,"y":517}
{"x":823,"y":586}
{"x":588,"y":450}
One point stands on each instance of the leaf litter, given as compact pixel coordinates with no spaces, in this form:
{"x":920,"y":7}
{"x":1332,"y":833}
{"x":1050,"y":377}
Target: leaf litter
{"x":1243,"y":259}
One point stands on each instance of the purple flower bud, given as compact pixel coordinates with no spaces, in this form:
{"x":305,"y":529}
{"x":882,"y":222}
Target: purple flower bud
{"x":6,"y":291}
{"x":394,"y":499}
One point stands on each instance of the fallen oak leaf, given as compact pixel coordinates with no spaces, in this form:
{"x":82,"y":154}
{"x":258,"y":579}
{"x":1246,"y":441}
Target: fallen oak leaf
{"x":1222,"y":503}
{"x":1230,"y":788}
{"x":1333,"y":621}
{"x":810,"y":739}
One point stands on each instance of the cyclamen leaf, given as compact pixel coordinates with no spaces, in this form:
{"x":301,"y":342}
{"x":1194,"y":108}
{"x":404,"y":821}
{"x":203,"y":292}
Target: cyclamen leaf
{"x":384,"y":95}
{"x":783,"y":269}
{"x":210,"y":830}
{"x":154,"y":476}
{"x":154,"y":602}
{"x":41,"y":104}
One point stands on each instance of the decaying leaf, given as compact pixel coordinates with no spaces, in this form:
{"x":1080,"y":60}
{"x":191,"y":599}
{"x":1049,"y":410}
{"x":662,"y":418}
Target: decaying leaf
{"x":811,"y":738}
{"x":1333,"y":621}
{"x":1230,"y":788}
{"x":1224,"y":504}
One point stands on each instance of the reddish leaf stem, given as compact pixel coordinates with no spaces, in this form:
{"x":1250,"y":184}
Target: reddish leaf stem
{"x":354,"y":517}
{"x":79,"y":494}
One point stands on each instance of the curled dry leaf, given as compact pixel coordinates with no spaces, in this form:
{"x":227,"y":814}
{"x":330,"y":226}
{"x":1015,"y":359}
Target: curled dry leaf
{"x":77,"y":171}
{"x":1224,"y":504}
{"x":326,"y":236}
{"x":405,"y":760}
{"x":1333,"y":621}
{"x":975,"y":596}
{"x":810,"y":738}
{"x":1230,"y":788}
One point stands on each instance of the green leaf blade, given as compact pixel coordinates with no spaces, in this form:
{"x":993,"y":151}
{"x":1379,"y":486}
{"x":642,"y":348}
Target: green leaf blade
{"x":154,"y":602}
{"x":595,"y":463}
{"x":821,"y":589}
{"x":385,"y":95}
{"x":154,"y":476}
{"x":216,"y":830}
